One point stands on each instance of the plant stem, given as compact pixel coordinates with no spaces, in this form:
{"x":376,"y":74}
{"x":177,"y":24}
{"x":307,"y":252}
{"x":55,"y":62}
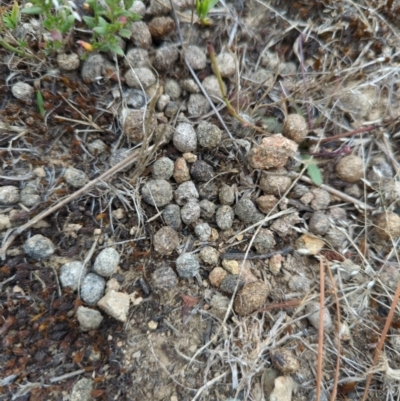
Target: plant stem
{"x":231,"y":110}
{"x":13,"y":49}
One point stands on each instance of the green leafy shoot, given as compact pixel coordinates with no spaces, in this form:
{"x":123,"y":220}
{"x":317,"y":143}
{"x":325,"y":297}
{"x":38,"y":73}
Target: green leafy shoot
{"x":39,"y":100}
{"x":12,"y":18}
{"x":313,"y":170}
{"x":203,"y":7}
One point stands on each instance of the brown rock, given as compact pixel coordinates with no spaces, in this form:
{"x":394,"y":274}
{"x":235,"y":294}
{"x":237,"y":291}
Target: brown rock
{"x":276,"y":182}
{"x":387,"y":225}
{"x":133,"y":124}
{"x":251,"y":297}
{"x":284,"y":360}
{"x":295,"y":127}
{"x":181,"y":171}
{"x":266,"y":203}
{"x":161,"y":26}
{"x":309,"y":245}
{"x":350,"y":168}
{"x":166,"y":240}
{"x":273,"y":152}
{"x":216,"y":276}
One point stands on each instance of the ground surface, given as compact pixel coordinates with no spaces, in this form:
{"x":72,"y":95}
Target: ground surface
{"x":335,"y":64}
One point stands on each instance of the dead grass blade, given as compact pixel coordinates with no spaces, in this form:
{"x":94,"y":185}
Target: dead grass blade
{"x":321,"y":328}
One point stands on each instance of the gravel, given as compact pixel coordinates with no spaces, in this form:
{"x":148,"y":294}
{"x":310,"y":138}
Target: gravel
{"x":9,"y":195}
{"x":211,"y":86}
{"x":181,"y":171}
{"x":68,"y":62}
{"x":319,"y":223}
{"x":207,"y":209}
{"x":230,"y":283}
{"x":89,"y":319}
{"x":247,"y":212}
{"x":264,"y":241}
{"x":92,"y":288}
{"x":190,"y":212}
{"x":157,"y":193}
{"x":172,"y":216}
{"x":136,"y":57}
{"x":165,"y":240}
{"x":172,"y":89}
{"x":201,"y":171}
{"x":226,"y":65}
{"x":203,"y":231}
{"x":313,"y":309}
{"x":198,"y":105}
{"x":224,"y":217}
{"x":162,"y":169}
{"x":185,"y":192}
{"x":275,"y":182}
{"x":226,"y":195}
{"x":185,"y":138}
{"x":23,"y":91}
{"x":164,"y":278}
{"x":140,"y":77}
{"x":74,"y":177}
{"x":350,"y":168}
{"x":208,"y":135}
{"x":195,"y":57}
{"x":106,"y":262}
{"x":115,"y":304}
{"x":165,"y":57}
{"x":39,"y":247}
{"x":72,"y":274}
{"x":187,"y":265}
{"x":209,"y":255}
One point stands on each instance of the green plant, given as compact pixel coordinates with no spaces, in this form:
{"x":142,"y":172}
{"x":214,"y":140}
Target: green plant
{"x":203,"y":7}
{"x":110,"y":22}
{"x":12,"y":18}
{"x":313,"y":170}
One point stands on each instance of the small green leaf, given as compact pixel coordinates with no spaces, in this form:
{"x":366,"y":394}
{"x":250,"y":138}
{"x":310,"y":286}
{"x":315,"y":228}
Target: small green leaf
{"x":32,"y":10}
{"x":117,"y":50}
{"x":125,"y":33}
{"x":100,"y":30}
{"x":89,"y":21}
{"x":39,"y":99}
{"x":313,"y":170}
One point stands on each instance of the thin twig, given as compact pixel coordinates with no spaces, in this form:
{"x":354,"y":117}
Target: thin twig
{"x":346,"y":134}
{"x":321,"y":329}
{"x":240,"y":256}
{"x":208,"y":384}
{"x":382,"y":338}
{"x":338,"y":346}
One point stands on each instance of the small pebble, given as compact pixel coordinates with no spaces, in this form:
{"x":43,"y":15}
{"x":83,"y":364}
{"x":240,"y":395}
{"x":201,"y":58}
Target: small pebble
{"x":390,"y":276}
{"x":165,"y":58}
{"x":97,"y":147}
{"x":172,"y":216}
{"x":209,"y":190}
{"x":136,"y":57}
{"x":140,"y":77}
{"x":172,"y":89}
{"x":283,"y":389}
{"x":185,"y":192}
{"x":203,"y":231}
{"x":208,"y":135}
{"x":284,"y":360}
{"x":72,"y":274}
{"x":9,"y":195}
{"x":164,"y":278}
{"x":266,"y":203}
{"x":181,"y":171}
{"x":350,"y":168}
{"x":119,"y":155}
{"x":309,"y":245}
{"x":190,"y":157}
{"x":89,"y":319}
{"x":68,"y":62}
{"x":165,"y":240}
{"x":319,"y":223}
{"x":92,"y":288}
{"x":251,"y":297}
{"x":231,"y":266}
{"x":162,"y":102}
{"x":381,"y":171}
{"x":160,"y":27}
{"x":115,"y":304}
{"x":185,"y":138}
{"x":211,"y":86}
{"x":216,"y":276}
{"x":336,"y":239}
{"x":387,"y":225}
{"x":190,"y":85}
{"x":299,"y":283}
{"x":209,"y":255}
{"x":230,"y":283}
{"x":95,"y":67}
{"x":23,"y":91}
{"x":226,"y":65}
{"x":190,"y":212}
{"x":187,"y":265}
{"x":159,"y":7}
{"x":74,"y":177}
{"x":106,"y":262}
{"x":219,"y":305}
{"x":135,"y":98}
{"x":39,"y":247}
{"x":295,"y":127}
{"x":264,"y":241}
{"x":275,"y":264}
{"x":247,"y":212}
{"x":263,"y":78}
{"x":321,"y":199}
{"x":133,"y":123}
{"x":162,"y":169}
{"x":157,"y":193}
{"x":30,"y":196}
{"x":201,"y":171}
{"x":82,"y":390}
{"x":198,"y":105}
{"x":224,"y":217}
{"x":141,"y":36}
{"x":273,"y":152}
{"x":226,"y":195}
{"x":275,"y":182}
{"x":313,"y":308}
{"x":207,"y":209}
{"x":195,"y":57}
